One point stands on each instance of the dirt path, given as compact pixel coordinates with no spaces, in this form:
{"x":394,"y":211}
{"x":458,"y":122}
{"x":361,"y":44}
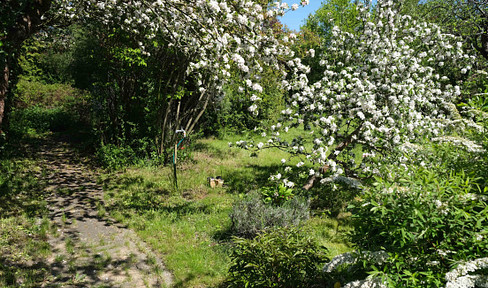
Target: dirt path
{"x":90,"y":250}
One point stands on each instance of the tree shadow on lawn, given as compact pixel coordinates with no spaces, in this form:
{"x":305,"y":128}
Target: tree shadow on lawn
{"x":252,"y":177}
{"x":187,"y":281}
{"x":20,"y":191}
{"x":131,"y":194}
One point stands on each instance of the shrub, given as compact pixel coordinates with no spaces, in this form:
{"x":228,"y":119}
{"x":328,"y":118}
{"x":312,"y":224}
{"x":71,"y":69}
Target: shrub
{"x":426,"y":222}
{"x":36,"y":93}
{"x":40,"y":120}
{"x":114,"y":157}
{"x":276,"y":195}
{"x":333,"y":197}
{"x":251,"y":215}
{"x":278,"y":258}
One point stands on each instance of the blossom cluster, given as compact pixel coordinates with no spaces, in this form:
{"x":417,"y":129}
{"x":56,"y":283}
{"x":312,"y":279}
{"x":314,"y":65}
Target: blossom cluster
{"x":464,"y":143}
{"x":367,"y":283}
{"x":381,"y":87}
{"x":350,"y":258}
{"x":460,"y":277}
{"x":215,"y":36}
{"x":376,"y":257}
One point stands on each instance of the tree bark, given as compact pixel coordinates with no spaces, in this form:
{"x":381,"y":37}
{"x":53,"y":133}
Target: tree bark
{"x":3,"y":93}
{"x":333,"y":156}
{"x":27,"y":23}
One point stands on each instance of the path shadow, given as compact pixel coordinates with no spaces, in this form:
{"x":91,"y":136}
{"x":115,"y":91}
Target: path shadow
{"x":80,"y":142}
{"x":89,"y":273}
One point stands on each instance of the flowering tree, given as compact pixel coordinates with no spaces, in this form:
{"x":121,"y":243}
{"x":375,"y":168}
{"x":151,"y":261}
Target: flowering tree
{"x":204,"y":42}
{"x":378,"y":90}
{"x":199,"y":44}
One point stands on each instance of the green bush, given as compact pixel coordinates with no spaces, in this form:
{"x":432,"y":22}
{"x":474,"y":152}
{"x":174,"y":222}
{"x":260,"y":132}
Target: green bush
{"x":36,"y":93}
{"x":426,"y":222}
{"x":37,"y":119}
{"x":114,"y":157}
{"x":333,"y":197}
{"x":250,"y":215}
{"x":276,"y":195}
{"x":278,"y":258}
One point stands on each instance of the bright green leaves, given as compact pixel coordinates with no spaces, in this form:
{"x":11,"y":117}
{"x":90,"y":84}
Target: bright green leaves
{"x":280,"y":258}
{"x":129,"y":56}
{"x":425,"y":222}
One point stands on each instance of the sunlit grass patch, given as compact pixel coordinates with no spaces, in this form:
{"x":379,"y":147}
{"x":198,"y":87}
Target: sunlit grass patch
{"x":190,"y":226}
{"x":23,"y":245}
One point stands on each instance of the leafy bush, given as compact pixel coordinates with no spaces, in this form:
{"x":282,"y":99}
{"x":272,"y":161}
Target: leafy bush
{"x":333,"y":197}
{"x":276,"y":195}
{"x":278,"y":258}
{"x":426,"y":222}
{"x":39,"y":120}
{"x":36,"y":93}
{"x":114,"y":157}
{"x":251,"y":215}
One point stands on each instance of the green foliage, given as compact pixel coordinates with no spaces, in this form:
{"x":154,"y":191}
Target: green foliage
{"x":37,"y":119}
{"x":426,"y":221}
{"x":332,"y":198}
{"x":276,"y":195}
{"x":279,"y":258}
{"x":36,"y":93}
{"x":250,"y":215}
{"x":115,"y":157}
{"x":230,"y":115}
{"x":332,"y":13}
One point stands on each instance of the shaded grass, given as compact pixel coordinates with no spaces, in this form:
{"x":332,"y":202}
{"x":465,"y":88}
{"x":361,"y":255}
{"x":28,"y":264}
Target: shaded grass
{"x":190,"y":226}
{"x":23,"y":226}
{"x":20,"y":191}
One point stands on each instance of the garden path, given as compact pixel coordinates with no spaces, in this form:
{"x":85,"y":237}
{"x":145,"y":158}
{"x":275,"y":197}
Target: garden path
{"x":90,"y":249}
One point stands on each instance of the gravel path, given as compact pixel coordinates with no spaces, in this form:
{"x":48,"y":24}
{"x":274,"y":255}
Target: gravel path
{"x":90,"y":250}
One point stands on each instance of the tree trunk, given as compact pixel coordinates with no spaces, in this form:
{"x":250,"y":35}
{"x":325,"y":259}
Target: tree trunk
{"x":3,"y":93}
{"x":333,"y":156}
{"x":18,"y":31}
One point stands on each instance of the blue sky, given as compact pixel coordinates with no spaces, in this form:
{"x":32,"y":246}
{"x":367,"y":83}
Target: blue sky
{"x":295,"y":19}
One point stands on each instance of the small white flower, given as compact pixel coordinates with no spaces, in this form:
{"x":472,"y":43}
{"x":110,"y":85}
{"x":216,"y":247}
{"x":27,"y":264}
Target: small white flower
{"x":252,"y":108}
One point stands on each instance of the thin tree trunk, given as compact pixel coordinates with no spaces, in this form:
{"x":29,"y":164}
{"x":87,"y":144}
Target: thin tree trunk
{"x":163,"y":128}
{"x":191,"y":125}
{"x":333,"y":156}
{"x":3,"y":93}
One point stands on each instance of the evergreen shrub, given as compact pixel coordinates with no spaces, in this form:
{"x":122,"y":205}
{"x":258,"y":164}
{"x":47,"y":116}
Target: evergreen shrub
{"x":282,"y":257}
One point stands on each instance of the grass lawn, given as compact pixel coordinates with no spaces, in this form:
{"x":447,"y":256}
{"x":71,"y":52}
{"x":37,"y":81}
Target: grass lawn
{"x":190,"y":226}
{"x":23,"y":225}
